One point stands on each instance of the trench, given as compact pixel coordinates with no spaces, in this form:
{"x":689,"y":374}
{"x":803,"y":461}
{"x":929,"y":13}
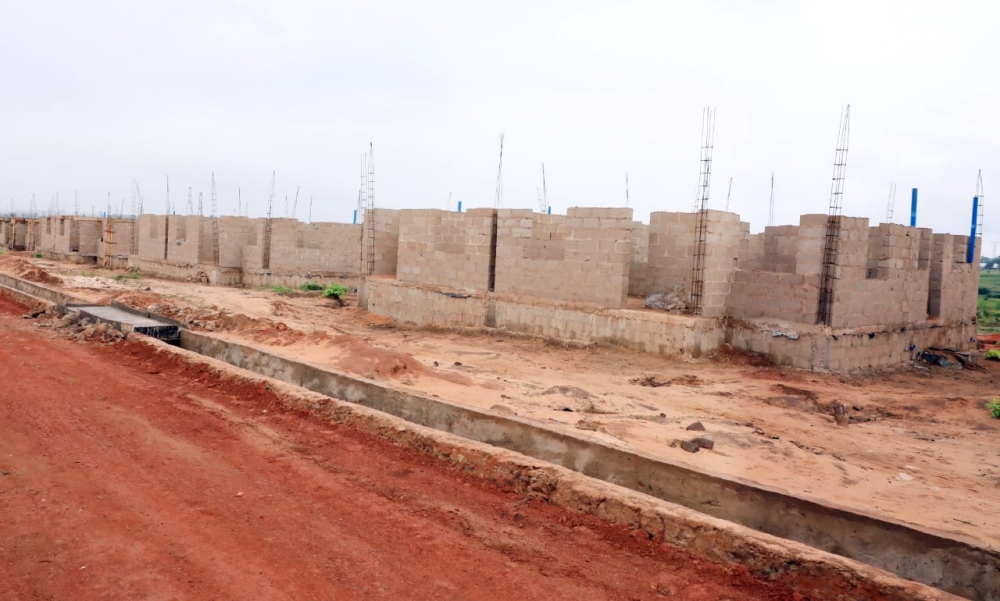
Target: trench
{"x":956,"y":566}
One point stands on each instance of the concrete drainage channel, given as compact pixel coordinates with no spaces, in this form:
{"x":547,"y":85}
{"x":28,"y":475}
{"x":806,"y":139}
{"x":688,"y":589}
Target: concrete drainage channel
{"x":959,"y":567}
{"x":956,"y":566}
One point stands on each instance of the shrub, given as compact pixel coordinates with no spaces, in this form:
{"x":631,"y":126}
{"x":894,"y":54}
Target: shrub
{"x":993,"y":354}
{"x":334,"y":291}
{"x":38,"y":255}
{"x":983,"y":291}
{"x":994,"y":408}
{"x":311,"y":286}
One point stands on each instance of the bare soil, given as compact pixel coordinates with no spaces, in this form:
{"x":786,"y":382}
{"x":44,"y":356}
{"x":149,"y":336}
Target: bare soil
{"x":917,"y":446}
{"x":124,"y":475}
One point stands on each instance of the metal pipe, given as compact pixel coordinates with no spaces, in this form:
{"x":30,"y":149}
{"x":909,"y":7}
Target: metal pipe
{"x":913,"y":208}
{"x":970,"y":256}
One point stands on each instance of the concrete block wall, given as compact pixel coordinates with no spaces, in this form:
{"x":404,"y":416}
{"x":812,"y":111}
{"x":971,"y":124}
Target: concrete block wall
{"x":638,"y":267}
{"x":583,"y":257}
{"x":727,"y":238}
{"x":644,"y":331}
{"x":670,"y":255}
{"x":385,"y":231}
{"x":121,"y":238}
{"x":72,"y":229}
{"x":953,"y":282}
{"x":298,"y":247}
{"x":811,"y":347}
{"x":235,"y":233}
{"x":63,"y":232}
{"x":881,"y":275}
{"x":878,"y":280}
{"x":779,"y":252}
{"x":20,"y":235}
{"x":775,"y":295}
{"x":185,"y":233}
{"x":48,"y":228}
{"x":753,"y":255}
{"x":445,"y":249}
{"x":89,"y":232}
{"x":151,"y":237}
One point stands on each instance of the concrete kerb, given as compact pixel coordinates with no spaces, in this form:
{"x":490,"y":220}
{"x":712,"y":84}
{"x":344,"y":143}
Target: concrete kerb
{"x":958,"y":565}
{"x":804,"y":569}
{"x":38,"y":291}
{"x":28,"y":300}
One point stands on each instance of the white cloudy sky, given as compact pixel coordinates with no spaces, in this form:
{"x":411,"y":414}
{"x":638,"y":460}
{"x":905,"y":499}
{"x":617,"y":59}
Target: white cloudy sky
{"x":94,"y":94}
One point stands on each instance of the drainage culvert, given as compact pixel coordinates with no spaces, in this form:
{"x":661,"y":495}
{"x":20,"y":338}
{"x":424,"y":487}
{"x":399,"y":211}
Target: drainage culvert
{"x":960,"y":567}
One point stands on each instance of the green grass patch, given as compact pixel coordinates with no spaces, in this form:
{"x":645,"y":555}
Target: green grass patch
{"x":988,"y":306}
{"x":38,"y":255}
{"x":311,"y":286}
{"x":993,"y":354}
{"x":132,"y":275}
{"x":87,"y":274}
{"x":281,"y":290}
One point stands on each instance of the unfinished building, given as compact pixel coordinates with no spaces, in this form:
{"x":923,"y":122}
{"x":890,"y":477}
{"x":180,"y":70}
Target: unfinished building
{"x":888,"y":292}
{"x":244,"y":251}
{"x":891,"y":291}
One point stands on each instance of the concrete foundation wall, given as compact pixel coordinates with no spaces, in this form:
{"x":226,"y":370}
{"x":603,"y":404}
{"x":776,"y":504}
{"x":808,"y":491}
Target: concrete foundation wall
{"x":409,"y":303}
{"x":645,"y":331}
{"x":812,"y":347}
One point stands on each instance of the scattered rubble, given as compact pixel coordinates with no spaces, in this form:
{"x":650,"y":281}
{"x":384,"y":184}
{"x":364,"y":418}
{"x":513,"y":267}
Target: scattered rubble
{"x":840,"y":414}
{"x":651,"y":381}
{"x":671,"y":301}
{"x":690,"y":446}
{"x":705,"y":442}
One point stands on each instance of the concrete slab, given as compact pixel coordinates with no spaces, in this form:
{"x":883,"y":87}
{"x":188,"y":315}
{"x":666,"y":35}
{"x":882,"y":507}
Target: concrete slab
{"x":127,"y":321}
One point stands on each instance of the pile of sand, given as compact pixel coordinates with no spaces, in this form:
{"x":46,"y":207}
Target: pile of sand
{"x":26,"y":270}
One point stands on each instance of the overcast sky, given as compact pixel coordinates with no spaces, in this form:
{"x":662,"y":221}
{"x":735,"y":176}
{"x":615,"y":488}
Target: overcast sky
{"x":95,"y":94}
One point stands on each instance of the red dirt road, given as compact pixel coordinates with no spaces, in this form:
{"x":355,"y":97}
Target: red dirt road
{"x":124,"y":475}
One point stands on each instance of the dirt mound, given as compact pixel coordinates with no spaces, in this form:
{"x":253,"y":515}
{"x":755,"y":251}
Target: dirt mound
{"x":26,"y":270}
{"x":139,"y":300}
{"x":212,"y":319}
{"x":369,"y":361}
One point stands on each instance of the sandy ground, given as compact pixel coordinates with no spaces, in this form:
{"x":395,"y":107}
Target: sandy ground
{"x":124,"y":475}
{"x":920,"y":447}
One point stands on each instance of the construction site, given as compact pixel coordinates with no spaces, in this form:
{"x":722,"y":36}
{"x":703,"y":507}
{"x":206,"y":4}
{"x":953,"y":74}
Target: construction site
{"x":580,"y":406}
{"x":438,"y":403}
